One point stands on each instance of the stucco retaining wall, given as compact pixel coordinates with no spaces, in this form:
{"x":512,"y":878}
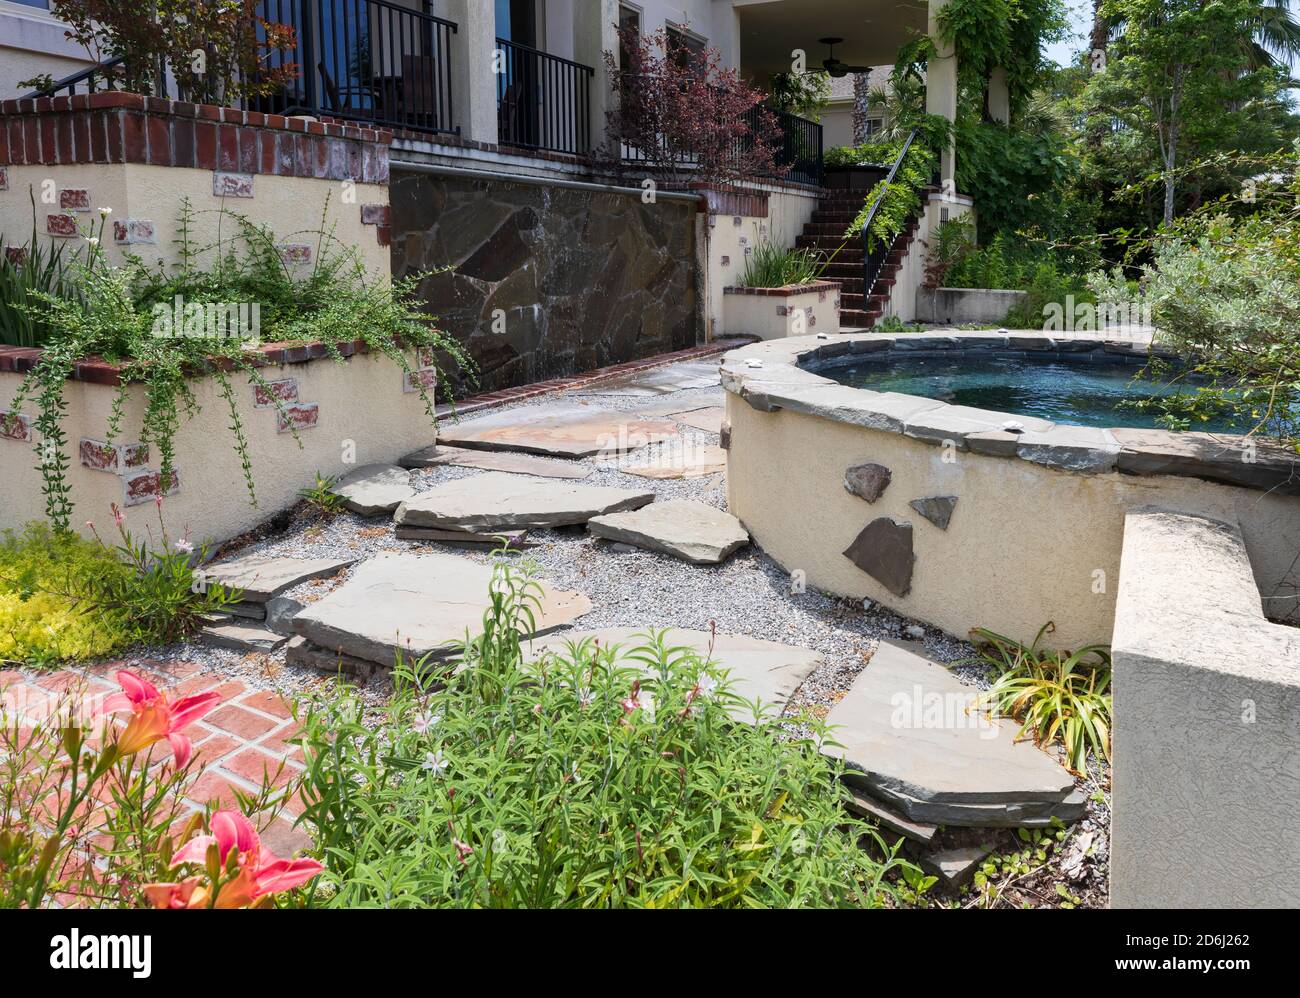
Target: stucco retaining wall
{"x":957,"y":306}
{"x":1206,"y":724}
{"x":1028,"y":541}
{"x":349,"y":414}
{"x":769,"y":313}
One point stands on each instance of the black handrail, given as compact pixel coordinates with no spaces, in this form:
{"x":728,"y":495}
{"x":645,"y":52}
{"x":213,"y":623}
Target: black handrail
{"x":874,"y":259}
{"x":86,"y":76}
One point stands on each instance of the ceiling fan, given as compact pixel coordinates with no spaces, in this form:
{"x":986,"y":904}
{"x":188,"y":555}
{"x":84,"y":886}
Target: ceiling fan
{"x":833,"y":66}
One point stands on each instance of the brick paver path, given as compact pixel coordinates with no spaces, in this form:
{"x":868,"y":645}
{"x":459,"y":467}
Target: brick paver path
{"x":251,"y":733}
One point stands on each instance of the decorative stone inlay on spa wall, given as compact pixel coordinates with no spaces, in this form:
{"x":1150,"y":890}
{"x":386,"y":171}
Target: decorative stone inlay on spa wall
{"x":782,"y":374}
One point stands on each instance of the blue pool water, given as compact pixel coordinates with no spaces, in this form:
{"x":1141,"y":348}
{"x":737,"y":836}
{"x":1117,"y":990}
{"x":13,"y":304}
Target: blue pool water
{"x":1079,"y":393}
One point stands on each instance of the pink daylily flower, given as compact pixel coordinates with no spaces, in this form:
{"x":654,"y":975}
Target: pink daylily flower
{"x":260,"y":871}
{"x":155,"y":717}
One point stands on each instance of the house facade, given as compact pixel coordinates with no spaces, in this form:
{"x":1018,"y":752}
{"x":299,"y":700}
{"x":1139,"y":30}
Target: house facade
{"x":490,"y":111}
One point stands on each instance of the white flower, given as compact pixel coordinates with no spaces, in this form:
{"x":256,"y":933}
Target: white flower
{"x":92,"y":240}
{"x":106,"y":211}
{"x":705,"y":684}
{"x":584,"y":697}
{"x":435,"y":763}
{"x":424,"y":722}
{"x":184,"y":545}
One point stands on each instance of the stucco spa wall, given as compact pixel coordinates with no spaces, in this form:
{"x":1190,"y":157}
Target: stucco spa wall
{"x":1026,"y":543}
{"x":211,"y":500}
{"x":543,"y":281}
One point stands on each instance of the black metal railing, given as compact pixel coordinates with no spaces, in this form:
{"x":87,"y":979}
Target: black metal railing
{"x":876,"y":251}
{"x":798,"y":154}
{"x":543,"y":101}
{"x":362,"y":60}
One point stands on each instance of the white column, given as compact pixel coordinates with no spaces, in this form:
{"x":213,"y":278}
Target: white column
{"x":595,"y":32}
{"x":941,"y":90}
{"x":473,"y":84}
{"x":999,"y":96}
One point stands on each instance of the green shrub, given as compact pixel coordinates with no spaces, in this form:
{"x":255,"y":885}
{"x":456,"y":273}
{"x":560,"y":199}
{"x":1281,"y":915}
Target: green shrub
{"x":598,"y":777}
{"x":899,"y":199}
{"x":120,"y":310}
{"x":1056,"y":695}
{"x":770,"y":265}
{"x":44,"y":578}
{"x":37,"y":269}
{"x":1225,"y":292}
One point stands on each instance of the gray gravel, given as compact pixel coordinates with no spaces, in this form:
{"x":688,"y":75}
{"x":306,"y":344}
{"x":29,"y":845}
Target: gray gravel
{"x":748,"y":594}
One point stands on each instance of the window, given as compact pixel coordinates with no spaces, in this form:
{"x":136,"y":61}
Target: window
{"x":872,"y":126}
{"x":39,"y":4}
{"x":629,"y":22}
{"x":684,"y":47}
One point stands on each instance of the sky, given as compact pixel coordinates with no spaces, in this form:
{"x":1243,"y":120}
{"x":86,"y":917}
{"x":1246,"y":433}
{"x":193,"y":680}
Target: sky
{"x":1080,"y":12}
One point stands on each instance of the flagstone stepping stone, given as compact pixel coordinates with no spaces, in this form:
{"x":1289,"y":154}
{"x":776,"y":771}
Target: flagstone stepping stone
{"x":908,"y":735}
{"x":280,"y":611}
{"x":519,"y":464}
{"x":766,"y":671}
{"x":373,"y":489}
{"x":693,"y":531}
{"x":262,"y":576}
{"x":708,"y":419}
{"x":686,"y":461}
{"x":671,"y":405}
{"x":494,"y":501}
{"x":868,"y":481}
{"x":250,"y":611}
{"x":862,"y":803}
{"x":561,"y":429}
{"x":513,"y":538}
{"x":955,"y":867}
{"x":884,"y":551}
{"x":302,"y":653}
{"x":415,"y":604}
{"x":936,"y":509}
{"x":242,"y":636}
{"x":661,"y":380}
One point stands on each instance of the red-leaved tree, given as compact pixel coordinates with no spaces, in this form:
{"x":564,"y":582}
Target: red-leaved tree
{"x":681,"y":115}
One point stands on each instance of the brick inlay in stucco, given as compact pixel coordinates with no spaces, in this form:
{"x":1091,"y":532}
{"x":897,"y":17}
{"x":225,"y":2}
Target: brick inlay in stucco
{"x":74,"y":199}
{"x":275,"y":392}
{"x":232,"y":185}
{"x":15,"y":426}
{"x":145,"y":486}
{"x":133,"y":231}
{"x":61,"y":225}
{"x":298,"y":416}
{"x":294,"y":253}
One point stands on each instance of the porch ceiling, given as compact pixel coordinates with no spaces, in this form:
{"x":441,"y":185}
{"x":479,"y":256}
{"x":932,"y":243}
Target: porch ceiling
{"x":873,"y":31}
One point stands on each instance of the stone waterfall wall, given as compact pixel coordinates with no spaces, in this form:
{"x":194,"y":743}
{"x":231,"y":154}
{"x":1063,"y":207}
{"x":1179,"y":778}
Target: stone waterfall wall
{"x":547,"y":281}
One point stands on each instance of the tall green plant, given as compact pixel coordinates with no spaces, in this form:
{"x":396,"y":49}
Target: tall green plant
{"x":118,"y":317}
{"x":31,"y":270}
{"x":595,"y":777}
{"x":771,"y":265}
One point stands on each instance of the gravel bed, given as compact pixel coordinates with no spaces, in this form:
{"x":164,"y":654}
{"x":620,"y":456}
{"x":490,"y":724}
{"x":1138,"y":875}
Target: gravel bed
{"x":748,"y":594}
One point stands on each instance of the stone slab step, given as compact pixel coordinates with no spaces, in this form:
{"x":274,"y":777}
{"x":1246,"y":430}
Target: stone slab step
{"x":242,"y":637}
{"x":518,"y":464}
{"x":862,"y":803}
{"x":693,"y":531}
{"x":517,"y":539}
{"x":375,"y":489}
{"x":262,"y":576}
{"x":957,"y":866}
{"x":494,"y":501}
{"x":909,"y":735}
{"x":415,"y":604}
{"x":563,"y":428}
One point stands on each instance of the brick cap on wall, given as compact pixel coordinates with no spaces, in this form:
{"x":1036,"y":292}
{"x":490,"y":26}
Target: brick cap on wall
{"x":786,"y":292}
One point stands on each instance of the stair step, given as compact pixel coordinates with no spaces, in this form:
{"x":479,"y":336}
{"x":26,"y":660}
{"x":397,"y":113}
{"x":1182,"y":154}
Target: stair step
{"x":840,"y":218}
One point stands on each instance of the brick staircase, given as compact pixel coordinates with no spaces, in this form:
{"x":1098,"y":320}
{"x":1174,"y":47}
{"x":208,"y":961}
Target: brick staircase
{"x":825,"y":232}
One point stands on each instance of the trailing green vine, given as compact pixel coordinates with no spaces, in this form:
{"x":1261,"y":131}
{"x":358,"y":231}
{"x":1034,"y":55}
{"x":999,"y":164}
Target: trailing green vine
{"x":124,"y":315}
{"x":900,"y":198}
